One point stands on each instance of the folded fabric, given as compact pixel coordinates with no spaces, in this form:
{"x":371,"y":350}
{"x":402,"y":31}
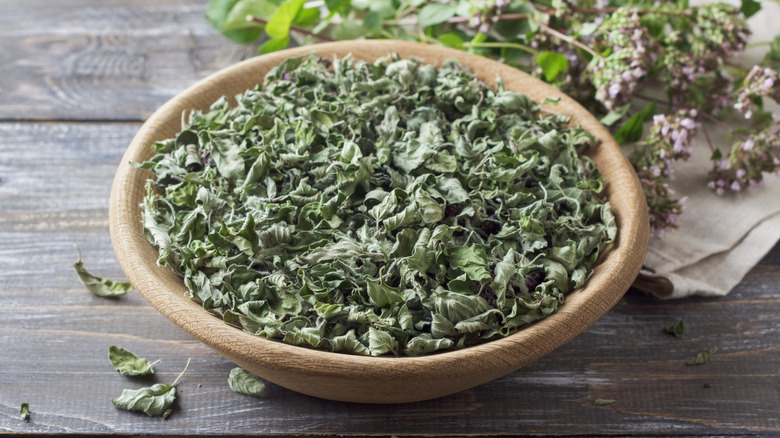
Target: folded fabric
{"x":720,"y":237}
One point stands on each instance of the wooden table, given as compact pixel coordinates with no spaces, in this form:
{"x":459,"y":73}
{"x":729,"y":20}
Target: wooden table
{"x":77,"y":78}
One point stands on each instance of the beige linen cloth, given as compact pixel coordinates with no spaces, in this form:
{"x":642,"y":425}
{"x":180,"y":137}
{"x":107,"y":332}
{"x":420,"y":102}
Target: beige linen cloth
{"x":720,"y":237}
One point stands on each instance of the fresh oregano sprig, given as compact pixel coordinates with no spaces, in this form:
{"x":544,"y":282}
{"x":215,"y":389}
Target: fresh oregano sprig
{"x":377,"y":208}
{"x":616,"y":58}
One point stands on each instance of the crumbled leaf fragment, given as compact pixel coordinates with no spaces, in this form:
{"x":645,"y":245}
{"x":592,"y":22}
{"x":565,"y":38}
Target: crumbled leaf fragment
{"x":99,"y":286}
{"x":677,"y":329}
{"x":128,"y":363}
{"x":603,"y":401}
{"x":701,"y":358}
{"x":24,"y":411}
{"x":244,"y":382}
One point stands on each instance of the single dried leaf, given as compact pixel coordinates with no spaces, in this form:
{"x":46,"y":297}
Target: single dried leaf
{"x":128,"y":363}
{"x":241,"y":380}
{"x":99,"y":286}
{"x":154,"y":401}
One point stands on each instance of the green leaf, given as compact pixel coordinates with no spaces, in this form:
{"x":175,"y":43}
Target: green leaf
{"x":224,"y":151}
{"x":701,"y":358}
{"x":278,"y":26}
{"x":349,"y":343}
{"x":424,"y":344}
{"x":274,"y":45}
{"x":552,"y":64}
{"x":631,"y":131}
{"x":237,"y":17}
{"x":244,"y":382}
{"x":773,"y":55}
{"x":615,"y":115}
{"x":373,"y":21}
{"x":348,"y":30}
{"x":99,"y":286}
{"x":24,"y":411}
{"x":381,"y":342}
{"x":217,"y":14}
{"x":307,"y":17}
{"x":677,"y":329}
{"x":381,"y":295}
{"x":128,"y":363}
{"x":451,"y":40}
{"x":749,"y":8}
{"x":336,"y":5}
{"x":435,"y":13}
{"x":472,"y":260}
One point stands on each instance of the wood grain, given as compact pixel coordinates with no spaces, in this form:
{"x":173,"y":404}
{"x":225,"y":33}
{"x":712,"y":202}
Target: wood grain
{"x":104,"y":60}
{"x":54,"y":335}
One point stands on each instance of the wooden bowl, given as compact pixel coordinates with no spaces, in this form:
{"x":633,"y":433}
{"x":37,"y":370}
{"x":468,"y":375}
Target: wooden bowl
{"x":352,"y":378}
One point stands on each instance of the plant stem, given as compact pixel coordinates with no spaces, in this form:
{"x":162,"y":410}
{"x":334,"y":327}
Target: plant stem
{"x":501,"y":45}
{"x":567,"y":38}
{"x":758,"y":44}
{"x":656,"y":100}
{"x":504,"y":17}
{"x":640,"y":11}
{"x":716,"y":121}
{"x":292,"y":28}
{"x":707,"y":137}
{"x":677,"y":107}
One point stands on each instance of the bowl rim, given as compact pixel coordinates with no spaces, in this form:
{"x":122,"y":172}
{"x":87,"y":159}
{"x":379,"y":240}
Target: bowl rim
{"x":276,"y":360}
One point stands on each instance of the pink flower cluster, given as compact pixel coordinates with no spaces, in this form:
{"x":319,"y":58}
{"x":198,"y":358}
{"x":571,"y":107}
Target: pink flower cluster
{"x":691,"y":56}
{"x":669,"y":140}
{"x":663,"y":209}
{"x":759,"y":82}
{"x":719,"y":35}
{"x":484,"y":14}
{"x":747,"y":162}
{"x":633,"y":52}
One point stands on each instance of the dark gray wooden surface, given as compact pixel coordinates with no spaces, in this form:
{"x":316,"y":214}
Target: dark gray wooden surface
{"x":76,"y":80}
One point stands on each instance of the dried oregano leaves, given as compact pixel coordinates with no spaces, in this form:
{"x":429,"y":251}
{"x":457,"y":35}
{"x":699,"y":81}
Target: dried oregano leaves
{"x":386,"y":208}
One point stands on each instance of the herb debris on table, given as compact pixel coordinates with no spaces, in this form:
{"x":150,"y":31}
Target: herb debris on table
{"x":24,"y":411}
{"x":701,"y":358}
{"x":677,"y":329}
{"x":99,"y":286}
{"x":603,"y":401}
{"x":155,"y":401}
{"x":244,"y":382}
{"x":128,"y":363}
{"x":386,"y":208}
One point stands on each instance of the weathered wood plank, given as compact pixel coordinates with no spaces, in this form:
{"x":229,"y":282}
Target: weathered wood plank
{"x":108,"y":60}
{"x":54,"y":337}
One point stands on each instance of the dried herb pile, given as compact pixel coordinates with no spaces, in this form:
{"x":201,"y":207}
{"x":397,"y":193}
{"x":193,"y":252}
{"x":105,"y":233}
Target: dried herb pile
{"x":386,"y":208}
